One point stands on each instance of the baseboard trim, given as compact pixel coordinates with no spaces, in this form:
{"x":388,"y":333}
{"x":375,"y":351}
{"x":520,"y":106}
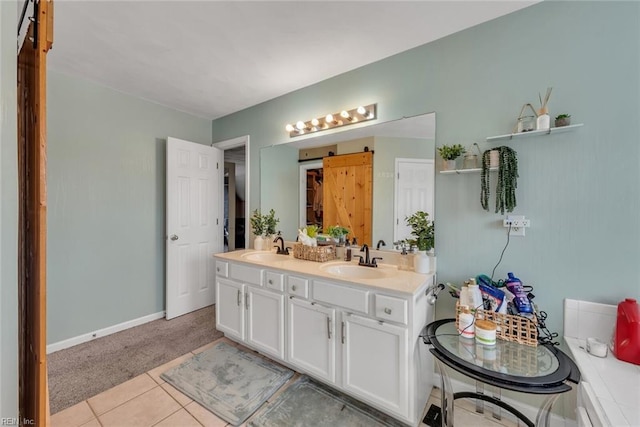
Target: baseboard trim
{"x":61,"y":345}
{"x":528,"y":410}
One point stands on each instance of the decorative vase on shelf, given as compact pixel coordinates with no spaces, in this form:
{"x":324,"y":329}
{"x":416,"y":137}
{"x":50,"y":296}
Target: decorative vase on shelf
{"x":450,"y":165}
{"x":470,"y":161}
{"x":494,"y":158}
{"x":543,"y":122}
{"x":421,"y":262}
{"x":258,"y":243}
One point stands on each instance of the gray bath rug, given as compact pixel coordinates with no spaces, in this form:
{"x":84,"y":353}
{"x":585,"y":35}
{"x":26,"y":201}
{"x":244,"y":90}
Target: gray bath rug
{"x":307,"y":403}
{"x":230,"y":382}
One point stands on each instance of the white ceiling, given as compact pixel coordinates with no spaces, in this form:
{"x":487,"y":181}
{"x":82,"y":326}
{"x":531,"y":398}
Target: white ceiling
{"x":213,"y":58}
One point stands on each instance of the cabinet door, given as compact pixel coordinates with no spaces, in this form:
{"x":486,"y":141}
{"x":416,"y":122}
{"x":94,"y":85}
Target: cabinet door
{"x":265,"y":320}
{"x":229,"y":308}
{"x":375,"y":365}
{"x":311,"y":335}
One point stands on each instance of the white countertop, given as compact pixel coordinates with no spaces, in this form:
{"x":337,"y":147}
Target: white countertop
{"x":407,"y":282}
{"x":615,"y":383}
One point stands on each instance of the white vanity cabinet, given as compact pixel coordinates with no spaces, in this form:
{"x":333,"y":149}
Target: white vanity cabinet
{"x":375,"y":362}
{"x":265,"y":320}
{"x":230,"y":308}
{"x":250,"y":313}
{"x":312,"y":338}
{"x":359,"y":337}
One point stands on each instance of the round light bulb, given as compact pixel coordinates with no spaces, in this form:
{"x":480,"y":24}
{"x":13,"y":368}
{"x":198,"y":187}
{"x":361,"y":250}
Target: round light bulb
{"x":362,"y":111}
{"x":329,"y":118}
{"x":300,"y":125}
{"x":344,"y":114}
{"x":289,"y":127}
{"x":315,"y":122}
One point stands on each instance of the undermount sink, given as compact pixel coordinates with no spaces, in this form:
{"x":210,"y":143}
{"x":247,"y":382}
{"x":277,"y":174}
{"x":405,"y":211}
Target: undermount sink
{"x":264,"y":257}
{"x":354,"y":271}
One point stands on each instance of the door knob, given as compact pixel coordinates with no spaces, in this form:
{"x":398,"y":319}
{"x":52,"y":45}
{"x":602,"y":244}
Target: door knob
{"x":173,"y":237}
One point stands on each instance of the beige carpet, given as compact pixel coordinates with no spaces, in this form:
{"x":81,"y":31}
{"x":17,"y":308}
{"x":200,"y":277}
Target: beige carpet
{"x":80,"y":372}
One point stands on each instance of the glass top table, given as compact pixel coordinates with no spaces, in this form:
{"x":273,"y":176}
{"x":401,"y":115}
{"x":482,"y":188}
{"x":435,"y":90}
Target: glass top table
{"x":543,"y":369}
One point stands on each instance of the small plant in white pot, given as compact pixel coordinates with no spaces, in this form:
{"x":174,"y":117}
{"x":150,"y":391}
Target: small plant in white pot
{"x":263,"y":228}
{"x":338,"y":233}
{"x":449,"y":154}
{"x":422,"y":228}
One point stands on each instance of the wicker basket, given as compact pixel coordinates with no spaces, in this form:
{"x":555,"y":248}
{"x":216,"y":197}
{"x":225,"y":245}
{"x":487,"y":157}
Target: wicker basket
{"x":510,"y":328}
{"x":314,"y":253}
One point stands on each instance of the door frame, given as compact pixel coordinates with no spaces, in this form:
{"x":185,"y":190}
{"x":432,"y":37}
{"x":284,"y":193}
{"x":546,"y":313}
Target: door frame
{"x":302,"y":210}
{"x":31,"y":88}
{"x":234,"y":143}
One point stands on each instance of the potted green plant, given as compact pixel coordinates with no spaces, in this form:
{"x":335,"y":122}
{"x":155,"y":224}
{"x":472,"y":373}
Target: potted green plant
{"x":563,"y":120}
{"x":449,"y":154}
{"x":270,"y":223}
{"x":338,"y":233}
{"x":263,"y":226}
{"x":423,"y":231}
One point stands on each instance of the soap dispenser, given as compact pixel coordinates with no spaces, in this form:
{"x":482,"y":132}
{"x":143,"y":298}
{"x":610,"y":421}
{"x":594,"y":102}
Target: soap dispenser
{"x":347,"y":251}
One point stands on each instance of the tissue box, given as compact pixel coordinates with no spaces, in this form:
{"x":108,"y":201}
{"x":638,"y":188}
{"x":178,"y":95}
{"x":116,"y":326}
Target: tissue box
{"x":314,"y":253}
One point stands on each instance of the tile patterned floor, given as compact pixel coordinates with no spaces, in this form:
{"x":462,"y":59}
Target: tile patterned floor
{"x":147,"y":401}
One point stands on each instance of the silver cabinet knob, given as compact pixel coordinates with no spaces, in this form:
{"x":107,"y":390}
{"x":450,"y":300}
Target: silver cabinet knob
{"x":270,"y":282}
{"x":218,"y":269}
{"x":173,"y":237}
{"x":387,"y":310}
{"x":293,"y":287}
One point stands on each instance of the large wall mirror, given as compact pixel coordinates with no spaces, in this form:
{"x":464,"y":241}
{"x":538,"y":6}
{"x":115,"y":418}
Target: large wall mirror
{"x":402,"y":175}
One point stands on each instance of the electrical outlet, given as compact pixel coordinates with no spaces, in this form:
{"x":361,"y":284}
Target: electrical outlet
{"x":517,"y":223}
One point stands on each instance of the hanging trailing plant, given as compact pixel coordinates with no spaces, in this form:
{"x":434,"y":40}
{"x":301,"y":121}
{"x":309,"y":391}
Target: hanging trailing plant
{"x":507,"y":180}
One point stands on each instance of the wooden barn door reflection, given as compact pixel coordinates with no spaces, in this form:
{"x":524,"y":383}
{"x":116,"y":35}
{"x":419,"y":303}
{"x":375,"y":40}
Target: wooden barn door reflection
{"x":347,"y":193}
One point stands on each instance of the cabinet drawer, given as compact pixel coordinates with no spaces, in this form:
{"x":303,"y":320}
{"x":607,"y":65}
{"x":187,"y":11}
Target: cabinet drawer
{"x":391,"y":308}
{"x":343,"y":296}
{"x":298,"y":286}
{"x":274,"y":281}
{"x":222,"y":269}
{"x":246,"y":274}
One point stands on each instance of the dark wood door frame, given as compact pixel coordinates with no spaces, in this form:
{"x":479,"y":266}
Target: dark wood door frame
{"x":32,"y":228}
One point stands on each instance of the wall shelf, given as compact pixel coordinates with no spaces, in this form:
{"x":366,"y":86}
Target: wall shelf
{"x":471,"y":170}
{"x":535,"y":132}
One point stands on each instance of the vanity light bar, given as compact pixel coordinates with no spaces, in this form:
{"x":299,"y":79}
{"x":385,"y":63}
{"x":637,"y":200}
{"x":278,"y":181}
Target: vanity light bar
{"x":331,"y":121}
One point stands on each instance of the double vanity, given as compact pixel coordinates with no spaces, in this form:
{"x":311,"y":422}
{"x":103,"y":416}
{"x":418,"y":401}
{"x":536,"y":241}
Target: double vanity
{"x":354,"y":328}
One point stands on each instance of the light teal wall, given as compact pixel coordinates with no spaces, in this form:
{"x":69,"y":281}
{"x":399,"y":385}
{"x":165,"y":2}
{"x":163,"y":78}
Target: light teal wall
{"x":8,"y":213}
{"x":106,"y":185}
{"x":580,"y":189}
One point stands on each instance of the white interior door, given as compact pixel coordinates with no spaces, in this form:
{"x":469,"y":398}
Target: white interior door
{"x":413,"y":192}
{"x":194,"y":213}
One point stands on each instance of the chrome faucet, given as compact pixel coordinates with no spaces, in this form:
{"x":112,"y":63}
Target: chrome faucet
{"x":380,"y":243}
{"x":281,"y":249}
{"x":367,"y":262}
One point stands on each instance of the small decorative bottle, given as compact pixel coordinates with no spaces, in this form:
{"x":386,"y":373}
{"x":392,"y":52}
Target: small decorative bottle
{"x":404,"y":260}
{"x":543,"y":121}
